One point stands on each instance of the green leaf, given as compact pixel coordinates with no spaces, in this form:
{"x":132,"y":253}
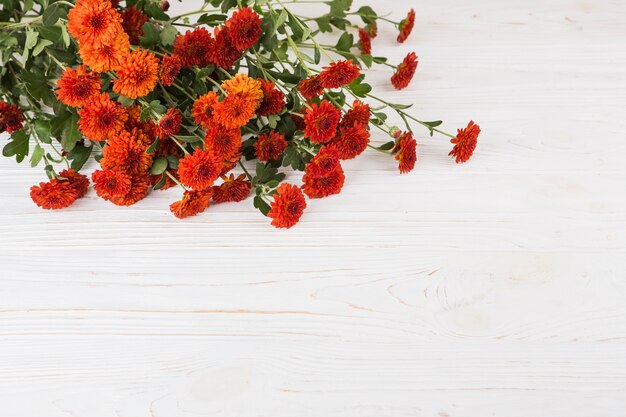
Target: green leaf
{"x":168,"y":35}
{"x":71,"y":134}
{"x":154,"y":146}
{"x":212,"y":19}
{"x":346,"y":41}
{"x":368,"y":15}
{"x":387,"y":146}
{"x":434,"y":124}
{"x":37,"y":155}
{"x":18,"y":146}
{"x":262,"y":205}
{"x":79,"y":156}
{"x":161,"y":182}
{"x":42,"y":128}
{"x":51,"y":14}
{"x":151,"y":35}
{"x":159,"y":166}
{"x":43,"y":43}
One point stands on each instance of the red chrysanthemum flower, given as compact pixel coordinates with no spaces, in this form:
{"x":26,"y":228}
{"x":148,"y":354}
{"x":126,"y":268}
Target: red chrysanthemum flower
{"x":232,"y":189}
{"x":406,"y":70}
{"x":193,"y":203}
{"x":229,"y":163}
{"x":321,"y":122}
{"x":105,"y":56}
{"x":11,"y":118}
{"x":93,"y":21}
{"x":365,"y":42}
{"x":79,"y":181}
{"x":125,"y":153}
{"x":287,"y":207}
{"x":111,"y":184}
{"x":465,"y":142}
{"x":322,"y":164}
{"x":311,"y":87}
{"x":405,"y":152}
{"x":139,"y":186}
{"x":200,"y":169}
{"x":137,"y":74}
{"x":273,"y":100}
{"x":351,"y":141}
{"x":298,"y":120}
{"x":202,"y":110}
{"x":244,"y":28}
{"x":235,"y":110}
{"x":132,"y":22}
{"x":77,"y":86}
{"x":224,"y":143}
{"x":319,"y":187}
{"x":170,"y":68}
{"x":194,"y":47}
{"x":101,"y":118}
{"x":53,"y":195}
{"x":338,"y":74}
{"x":169,"y":124}
{"x":223,"y":53}
{"x":270,"y":146}
{"x":406,"y":26}
{"x":359,"y":113}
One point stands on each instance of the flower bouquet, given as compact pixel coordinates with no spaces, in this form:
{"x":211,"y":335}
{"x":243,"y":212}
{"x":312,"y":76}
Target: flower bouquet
{"x":161,"y":101}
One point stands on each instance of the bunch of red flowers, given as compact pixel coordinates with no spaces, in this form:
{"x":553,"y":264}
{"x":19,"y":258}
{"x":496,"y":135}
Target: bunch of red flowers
{"x":180,"y":111}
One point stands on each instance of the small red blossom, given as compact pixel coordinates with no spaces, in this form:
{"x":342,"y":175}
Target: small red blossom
{"x":273,"y":100}
{"x":53,"y":195}
{"x":406,"y":26}
{"x":465,"y":142}
{"x":79,"y":181}
{"x":321,"y":122}
{"x":203,"y":107}
{"x":193,"y":203}
{"x":365,"y":42}
{"x":170,"y":68}
{"x":351,"y":141}
{"x":139,"y":186}
{"x":169,"y":125}
{"x":225,"y":143}
{"x":311,"y":87}
{"x":287,"y":207}
{"x":405,"y":152}
{"x":132,"y":22}
{"x":11,"y":118}
{"x":111,"y":184}
{"x":223,"y":53}
{"x":270,"y":146}
{"x":322,"y":164}
{"x":244,"y":28}
{"x":232,"y":189}
{"x":77,"y":86}
{"x":359,"y":113}
{"x":323,"y":186}
{"x":194,"y":47}
{"x":338,"y":74}
{"x":406,"y":70}
{"x":200,"y":169}
{"x":101,"y":118}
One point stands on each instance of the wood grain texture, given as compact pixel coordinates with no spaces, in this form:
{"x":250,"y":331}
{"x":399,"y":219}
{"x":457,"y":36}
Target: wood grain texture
{"x":495,"y":288}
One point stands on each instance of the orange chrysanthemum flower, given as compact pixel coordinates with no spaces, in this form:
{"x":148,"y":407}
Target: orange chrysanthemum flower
{"x":311,"y":87}
{"x":224,"y":143}
{"x":273,"y":100}
{"x":405,"y":152}
{"x":338,"y":74}
{"x":169,"y":124}
{"x":406,"y":70}
{"x":125,"y":153}
{"x":139,"y":186}
{"x":244,"y":28}
{"x":53,"y":195}
{"x":406,"y":26}
{"x":235,"y":110}
{"x":351,"y":141}
{"x":170,"y":68}
{"x":319,"y":187}
{"x":137,"y":74}
{"x":365,"y":42}
{"x":79,"y":181}
{"x":223,"y":53}
{"x":132,"y":22}
{"x":232,"y":189}
{"x":200,"y":169}
{"x":321,"y":122}
{"x":105,"y":56}
{"x":287,"y":207}
{"x":194,"y":47}
{"x":93,"y":21}
{"x":11,"y":117}
{"x":193,"y":203}
{"x":77,"y":86}
{"x":202,"y":111}
{"x":465,"y":142}
{"x":111,"y":184}
{"x":359,"y":113}
{"x":101,"y":118}
{"x":270,"y":146}
{"x":244,"y":85}
{"x":229,"y":163}
{"x":322,"y":164}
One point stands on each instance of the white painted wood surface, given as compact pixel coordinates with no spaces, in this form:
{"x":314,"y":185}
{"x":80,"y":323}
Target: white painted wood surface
{"x":496,"y":288}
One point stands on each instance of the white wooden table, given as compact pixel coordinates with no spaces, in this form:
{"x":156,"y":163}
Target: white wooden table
{"x":497,"y":288}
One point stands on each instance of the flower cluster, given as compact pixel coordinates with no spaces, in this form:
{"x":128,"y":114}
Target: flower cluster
{"x":167,"y":102}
